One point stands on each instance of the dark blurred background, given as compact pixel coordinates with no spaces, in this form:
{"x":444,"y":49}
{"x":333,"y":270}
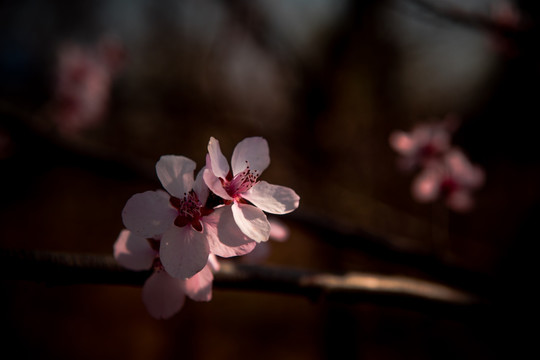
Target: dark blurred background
{"x":325,"y":82}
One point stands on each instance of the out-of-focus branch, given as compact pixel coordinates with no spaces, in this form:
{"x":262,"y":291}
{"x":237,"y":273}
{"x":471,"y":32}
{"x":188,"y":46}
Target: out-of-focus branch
{"x":106,"y":161}
{"x":30,"y":135}
{"x":461,"y":16}
{"x":65,"y":269}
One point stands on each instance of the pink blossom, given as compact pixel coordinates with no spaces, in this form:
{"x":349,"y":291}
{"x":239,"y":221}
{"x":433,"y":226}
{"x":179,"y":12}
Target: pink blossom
{"x":241,"y":188}
{"x":84,"y":78}
{"x":507,"y":19}
{"x":505,"y":13}
{"x":189,"y":230}
{"x":423,"y":144}
{"x":453,"y":178}
{"x":278,"y":230}
{"x":162,"y":294}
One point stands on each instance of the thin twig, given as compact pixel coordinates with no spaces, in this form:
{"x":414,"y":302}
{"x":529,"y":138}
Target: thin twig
{"x":471,"y":19}
{"x":55,"y":268}
{"x":328,"y":228}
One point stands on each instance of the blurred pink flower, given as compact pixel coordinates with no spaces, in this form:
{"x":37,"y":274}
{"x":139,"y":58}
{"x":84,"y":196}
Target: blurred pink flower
{"x":84,"y":77}
{"x":241,"y":188}
{"x":278,"y":230}
{"x":189,"y":231}
{"x":425,"y":143}
{"x":505,"y":13}
{"x":162,"y":294}
{"x":508,"y":19}
{"x":453,"y":177}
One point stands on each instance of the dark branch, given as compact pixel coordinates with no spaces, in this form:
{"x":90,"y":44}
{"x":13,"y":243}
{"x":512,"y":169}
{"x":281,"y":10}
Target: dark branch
{"x":106,"y":161}
{"x":65,"y":269}
{"x":467,"y":18}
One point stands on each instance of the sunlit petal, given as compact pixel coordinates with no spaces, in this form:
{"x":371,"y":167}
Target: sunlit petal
{"x":176,"y":174}
{"x":274,"y":199}
{"x":253,"y":151}
{"x":251,"y":221}
{"x":219,"y":164}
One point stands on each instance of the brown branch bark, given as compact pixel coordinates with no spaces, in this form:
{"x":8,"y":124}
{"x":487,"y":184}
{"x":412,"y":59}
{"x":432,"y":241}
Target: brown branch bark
{"x":55,"y":268}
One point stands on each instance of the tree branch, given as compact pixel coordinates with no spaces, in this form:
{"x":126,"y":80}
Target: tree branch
{"x":55,"y":268}
{"x":106,"y":161}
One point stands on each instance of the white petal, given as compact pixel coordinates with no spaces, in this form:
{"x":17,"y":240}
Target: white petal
{"x":224,"y":236}
{"x":219,"y":164}
{"x":183,"y":251}
{"x":199,"y":287}
{"x":133,"y":252}
{"x":274,"y":199}
{"x":200,"y":187}
{"x":255,"y":151}
{"x":213,"y":182}
{"x":213,"y":263}
{"x":176,"y":174}
{"x":163,"y":295}
{"x":149,"y":213}
{"x":251,"y":221}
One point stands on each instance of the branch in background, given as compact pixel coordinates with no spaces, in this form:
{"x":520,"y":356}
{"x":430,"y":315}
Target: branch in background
{"x":53,"y":148}
{"x":468,"y":18}
{"x":55,"y":268}
{"x":29,"y":133}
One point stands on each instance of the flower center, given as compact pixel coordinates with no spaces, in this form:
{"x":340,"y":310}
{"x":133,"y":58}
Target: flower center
{"x":429,"y":150}
{"x":190,"y":210}
{"x":448,"y":186}
{"x":241,"y":182}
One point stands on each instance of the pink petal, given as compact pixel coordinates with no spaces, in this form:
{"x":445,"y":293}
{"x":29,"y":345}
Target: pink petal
{"x":199,"y":287}
{"x":133,"y":252}
{"x":149,"y":213}
{"x":251,"y":221}
{"x":176,"y":174}
{"x":163,"y":295}
{"x":460,"y":201}
{"x":200,"y":187}
{"x":278,"y":230}
{"x":219,"y":164}
{"x":255,"y":151}
{"x":426,"y":186}
{"x":213,"y":182}
{"x":274,"y":199}
{"x":464,"y":172}
{"x":183,"y":251}
{"x":401,"y":142}
{"x":213,"y":263}
{"x":224,"y":236}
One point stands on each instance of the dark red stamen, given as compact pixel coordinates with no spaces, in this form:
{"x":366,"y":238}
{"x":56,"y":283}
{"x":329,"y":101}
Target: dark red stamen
{"x":448,"y":186}
{"x":190,"y":210}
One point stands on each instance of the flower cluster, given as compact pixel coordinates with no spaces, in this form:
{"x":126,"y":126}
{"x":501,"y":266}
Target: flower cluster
{"x":220,"y":212}
{"x":84,"y":78}
{"x":444,"y":172}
